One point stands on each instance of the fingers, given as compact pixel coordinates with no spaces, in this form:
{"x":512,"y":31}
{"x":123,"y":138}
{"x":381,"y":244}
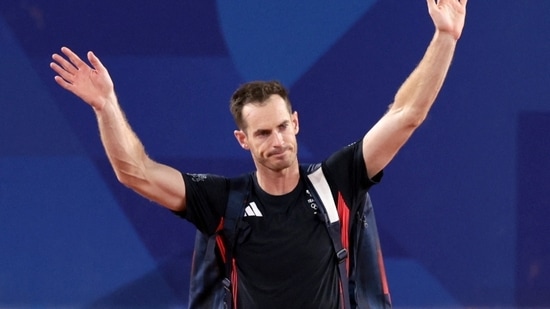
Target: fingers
{"x":63,"y":63}
{"x":71,"y":65}
{"x":62,"y":72}
{"x":75,"y":60}
{"x":435,"y":3}
{"x":63,"y":83}
{"x":96,"y":64}
{"x":65,"y":69}
{"x":74,"y":64}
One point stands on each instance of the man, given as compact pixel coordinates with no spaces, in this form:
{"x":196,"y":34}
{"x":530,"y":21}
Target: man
{"x":281,"y":224}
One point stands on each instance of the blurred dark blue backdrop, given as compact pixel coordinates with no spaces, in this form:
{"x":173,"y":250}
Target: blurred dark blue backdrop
{"x":463,"y":210}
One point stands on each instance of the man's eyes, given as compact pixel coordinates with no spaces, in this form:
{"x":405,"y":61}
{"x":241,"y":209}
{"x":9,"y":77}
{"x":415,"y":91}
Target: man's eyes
{"x":284,"y":126}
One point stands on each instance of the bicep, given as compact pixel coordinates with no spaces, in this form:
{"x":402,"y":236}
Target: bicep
{"x":164,"y":185}
{"x":384,"y":139}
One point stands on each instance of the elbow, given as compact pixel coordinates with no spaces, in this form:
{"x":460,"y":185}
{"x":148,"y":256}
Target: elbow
{"x":414,"y":118}
{"x":411,"y":117}
{"x":129,"y":175}
{"x":123,"y":178}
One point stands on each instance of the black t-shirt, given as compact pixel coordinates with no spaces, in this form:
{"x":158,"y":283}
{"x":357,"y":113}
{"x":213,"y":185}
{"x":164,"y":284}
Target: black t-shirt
{"x":287,"y":260}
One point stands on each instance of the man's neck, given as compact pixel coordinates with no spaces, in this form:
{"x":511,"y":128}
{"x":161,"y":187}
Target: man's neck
{"x":278,"y":182}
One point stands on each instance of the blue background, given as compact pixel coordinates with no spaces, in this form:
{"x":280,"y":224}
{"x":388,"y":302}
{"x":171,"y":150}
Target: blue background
{"x":462,"y":211}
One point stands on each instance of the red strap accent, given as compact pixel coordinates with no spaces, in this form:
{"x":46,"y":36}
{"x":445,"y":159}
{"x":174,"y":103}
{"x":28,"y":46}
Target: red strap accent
{"x":383,"y":277}
{"x":234,"y":282}
{"x":220,"y":225}
{"x":221,"y":246}
{"x":343,"y":214}
{"x":219,"y":240}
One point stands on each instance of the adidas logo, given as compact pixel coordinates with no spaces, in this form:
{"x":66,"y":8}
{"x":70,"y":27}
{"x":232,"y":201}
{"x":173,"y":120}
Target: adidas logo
{"x":252,"y":210}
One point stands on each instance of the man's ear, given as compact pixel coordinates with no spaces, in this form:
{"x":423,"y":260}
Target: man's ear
{"x":295,"y":122}
{"x":241,"y":138}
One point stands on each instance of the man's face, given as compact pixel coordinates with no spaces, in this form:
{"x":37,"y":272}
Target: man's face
{"x":270,"y":134}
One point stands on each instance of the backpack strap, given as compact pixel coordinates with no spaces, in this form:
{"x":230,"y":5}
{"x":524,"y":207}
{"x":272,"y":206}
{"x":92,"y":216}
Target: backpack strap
{"x":368,"y":282}
{"x":337,"y":229}
{"x":239,"y":190}
{"x":205,"y":280}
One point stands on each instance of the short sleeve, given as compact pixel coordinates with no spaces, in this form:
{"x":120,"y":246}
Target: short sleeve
{"x":206,"y":199}
{"x":346,"y":171}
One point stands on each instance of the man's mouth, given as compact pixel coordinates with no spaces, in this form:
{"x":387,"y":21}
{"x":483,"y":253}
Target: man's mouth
{"x":277,"y":152}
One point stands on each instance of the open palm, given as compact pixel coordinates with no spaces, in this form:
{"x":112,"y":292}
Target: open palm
{"x":448,"y":15}
{"x":92,"y":84}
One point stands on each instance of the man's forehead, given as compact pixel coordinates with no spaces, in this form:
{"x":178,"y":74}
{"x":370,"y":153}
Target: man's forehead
{"x":265,"y":117}
{"x":272,"y":108}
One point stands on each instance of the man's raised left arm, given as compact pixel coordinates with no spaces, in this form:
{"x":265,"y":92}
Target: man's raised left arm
{"x":418,"y":93}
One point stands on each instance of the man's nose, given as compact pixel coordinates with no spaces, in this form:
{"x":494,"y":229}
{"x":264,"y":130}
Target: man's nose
{"x":278,"y":139}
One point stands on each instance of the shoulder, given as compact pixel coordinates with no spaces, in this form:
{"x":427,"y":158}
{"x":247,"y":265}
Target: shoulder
{"x":206,"y":199}
{"x":199,"y":180}
{"x":346,"y":164}
{"x":350,"y":155}
{"x":204,"y":189}
{"x":346,"y":172}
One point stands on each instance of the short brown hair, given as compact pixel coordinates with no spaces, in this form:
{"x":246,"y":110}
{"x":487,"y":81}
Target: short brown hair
{"x":256,"y":92}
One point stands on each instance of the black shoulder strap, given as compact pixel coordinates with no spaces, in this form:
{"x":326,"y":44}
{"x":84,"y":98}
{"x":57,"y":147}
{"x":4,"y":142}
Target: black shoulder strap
{"x":238,"y":194}
{"x":239,"y":190}
{"x":318,"y":187}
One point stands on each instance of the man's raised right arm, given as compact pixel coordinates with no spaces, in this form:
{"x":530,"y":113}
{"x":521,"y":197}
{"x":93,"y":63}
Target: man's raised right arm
{"x":133,"y":167}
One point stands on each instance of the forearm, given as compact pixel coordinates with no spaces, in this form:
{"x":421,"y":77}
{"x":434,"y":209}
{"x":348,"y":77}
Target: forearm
{"x":124,"y":150}
{"x":133,"y":168}
{"x":419,"y":91}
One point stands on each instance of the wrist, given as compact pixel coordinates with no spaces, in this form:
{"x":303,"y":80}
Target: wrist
{"x":102,"y":102}
{"x":445,"y":36}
